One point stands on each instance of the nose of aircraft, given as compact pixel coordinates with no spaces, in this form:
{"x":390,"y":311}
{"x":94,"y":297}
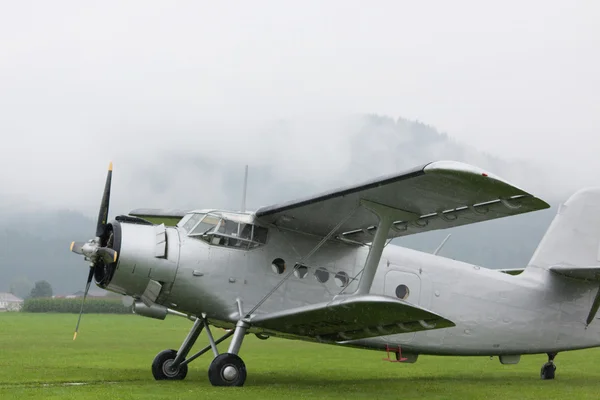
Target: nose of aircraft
{"x":145,"y":254}
{"x":102,"y":251}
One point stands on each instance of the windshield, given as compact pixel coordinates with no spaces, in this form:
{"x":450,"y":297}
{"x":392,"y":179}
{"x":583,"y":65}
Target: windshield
{"x":191,"y":221}
{"x":207,"y":224}
{"x":223,"y":232}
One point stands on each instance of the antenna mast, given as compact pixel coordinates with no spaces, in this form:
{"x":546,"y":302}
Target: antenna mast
{"x":244,"y":192}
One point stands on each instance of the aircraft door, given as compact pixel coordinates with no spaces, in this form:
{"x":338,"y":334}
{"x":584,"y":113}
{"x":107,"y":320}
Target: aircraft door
{"x":405,"y":286}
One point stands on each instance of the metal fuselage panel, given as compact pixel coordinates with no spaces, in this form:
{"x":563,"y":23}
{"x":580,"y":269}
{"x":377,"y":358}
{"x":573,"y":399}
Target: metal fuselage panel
{"x":137,"y":263}
{"x":211,"y":278}
{"x":494,"y":313}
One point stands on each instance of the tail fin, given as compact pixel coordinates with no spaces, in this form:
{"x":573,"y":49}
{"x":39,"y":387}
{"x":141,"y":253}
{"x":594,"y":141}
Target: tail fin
{"x":573,"y":238}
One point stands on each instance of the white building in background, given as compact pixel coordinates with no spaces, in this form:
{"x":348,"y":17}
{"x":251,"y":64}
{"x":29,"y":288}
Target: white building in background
{"x":10,"y":302}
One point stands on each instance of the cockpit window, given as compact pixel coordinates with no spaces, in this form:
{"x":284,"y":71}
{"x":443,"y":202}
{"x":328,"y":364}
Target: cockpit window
{"x":260,"y":235}
{"x":229,"y":228}
{"x":208,"y":223}
{"x":246,"y":231}
{"x":223,"y":232}
{"x":192,"y":221}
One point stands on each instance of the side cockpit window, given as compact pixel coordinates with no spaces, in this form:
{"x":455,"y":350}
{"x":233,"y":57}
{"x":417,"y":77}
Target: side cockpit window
{"x":219,"y":231}
{"x":260,"y":235}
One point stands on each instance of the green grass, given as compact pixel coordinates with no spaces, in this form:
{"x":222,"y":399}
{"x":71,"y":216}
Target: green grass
{"x":113,"y":354}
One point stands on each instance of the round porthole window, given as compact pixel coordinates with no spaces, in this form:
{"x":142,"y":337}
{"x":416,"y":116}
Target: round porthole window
{"x":341,"y":279}
{"x":278,"y":266}
{"x":300,"y":271}
{"x":322,"y":275}
{"x":402,"y":292}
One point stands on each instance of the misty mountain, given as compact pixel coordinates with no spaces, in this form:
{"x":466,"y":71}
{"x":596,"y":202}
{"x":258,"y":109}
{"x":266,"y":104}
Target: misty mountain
{"x":35,"y":244}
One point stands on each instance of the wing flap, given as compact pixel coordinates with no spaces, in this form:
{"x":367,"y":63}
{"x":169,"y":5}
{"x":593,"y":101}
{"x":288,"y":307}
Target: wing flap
{"x":463,"y":215}
{"x":351,"y":318}
{"x":435,"y":196}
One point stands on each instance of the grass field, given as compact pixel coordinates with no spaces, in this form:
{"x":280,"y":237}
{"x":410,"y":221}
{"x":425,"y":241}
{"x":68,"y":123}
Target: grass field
{"x":113,"y":354}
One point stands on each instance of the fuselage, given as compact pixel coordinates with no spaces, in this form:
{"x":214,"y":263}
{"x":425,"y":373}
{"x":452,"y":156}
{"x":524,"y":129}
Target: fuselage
{"x":494,"y":313}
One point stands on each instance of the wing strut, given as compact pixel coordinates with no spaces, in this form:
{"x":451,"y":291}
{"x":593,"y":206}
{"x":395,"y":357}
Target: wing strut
{"x":387,"y":215}
{"x":435,"y":253}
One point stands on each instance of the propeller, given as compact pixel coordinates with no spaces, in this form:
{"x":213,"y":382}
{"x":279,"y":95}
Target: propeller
{"x":95,"y":250}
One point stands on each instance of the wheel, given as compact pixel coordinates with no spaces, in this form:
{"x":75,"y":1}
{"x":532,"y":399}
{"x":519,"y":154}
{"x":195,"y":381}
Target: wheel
{"x":262,"y":336}
{"x":547,"y":371}
{"x":161,"y":367}
{"x":227,"y":370}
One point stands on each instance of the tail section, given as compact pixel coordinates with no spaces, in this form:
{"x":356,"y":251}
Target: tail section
{"x":573,"y":238}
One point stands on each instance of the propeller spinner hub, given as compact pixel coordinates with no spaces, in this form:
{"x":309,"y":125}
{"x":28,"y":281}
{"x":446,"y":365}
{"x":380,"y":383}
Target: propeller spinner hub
{"x":93,"y":251}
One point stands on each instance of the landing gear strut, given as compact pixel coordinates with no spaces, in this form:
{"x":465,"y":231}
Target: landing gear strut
{"x":226,"y":369}
{"x":549,"y":368}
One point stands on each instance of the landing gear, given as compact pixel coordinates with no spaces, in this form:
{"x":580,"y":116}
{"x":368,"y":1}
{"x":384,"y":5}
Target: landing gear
{"x":226,"y":369}
{"x":549,"y":368}
{"x":162,"y":367}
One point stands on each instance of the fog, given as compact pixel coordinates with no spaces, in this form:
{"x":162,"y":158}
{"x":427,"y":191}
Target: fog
{"x":181,"y":95}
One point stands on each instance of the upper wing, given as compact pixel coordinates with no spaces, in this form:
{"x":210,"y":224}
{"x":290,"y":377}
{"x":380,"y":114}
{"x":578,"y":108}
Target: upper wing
{"x":159,"y":216}
{"x":350,"y":318}
{"x":438,"y":195}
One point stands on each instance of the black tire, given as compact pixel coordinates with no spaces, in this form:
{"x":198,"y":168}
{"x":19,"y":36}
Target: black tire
{"x":220,"y":372}
{"x":548,"y":371}
{"x":160,"y":365}
{"x":262,"y":336}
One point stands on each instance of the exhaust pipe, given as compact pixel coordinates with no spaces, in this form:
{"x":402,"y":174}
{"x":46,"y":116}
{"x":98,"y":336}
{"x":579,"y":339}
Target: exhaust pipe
{"x":157,"y":311}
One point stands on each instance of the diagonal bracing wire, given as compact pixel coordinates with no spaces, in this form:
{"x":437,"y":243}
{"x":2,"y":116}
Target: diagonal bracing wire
{"x":326,"y":238}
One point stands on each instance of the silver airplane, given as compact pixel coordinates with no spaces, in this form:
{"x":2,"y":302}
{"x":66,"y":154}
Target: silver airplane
{"x":322,"y":269}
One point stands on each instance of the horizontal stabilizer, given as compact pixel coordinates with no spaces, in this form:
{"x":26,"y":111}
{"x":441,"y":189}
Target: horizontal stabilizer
{"x":585,"y":273}
{"x":351,"y":318}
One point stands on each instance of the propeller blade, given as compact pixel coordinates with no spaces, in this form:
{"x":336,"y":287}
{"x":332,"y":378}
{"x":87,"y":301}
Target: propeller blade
{"x":108,"y":255}
{"x":87,"y":288}
{"x":76,"y":247}
{"x":103,"y":213}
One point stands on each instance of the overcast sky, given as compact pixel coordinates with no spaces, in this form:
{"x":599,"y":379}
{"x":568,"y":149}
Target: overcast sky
{"x":83,"y":83}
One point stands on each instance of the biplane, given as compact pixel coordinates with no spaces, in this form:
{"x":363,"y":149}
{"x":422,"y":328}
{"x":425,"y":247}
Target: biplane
{"x":322,"y":269}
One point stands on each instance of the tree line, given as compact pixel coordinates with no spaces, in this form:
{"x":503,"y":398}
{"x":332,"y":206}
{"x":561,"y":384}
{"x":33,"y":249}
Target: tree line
{"x":22,"y":288}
